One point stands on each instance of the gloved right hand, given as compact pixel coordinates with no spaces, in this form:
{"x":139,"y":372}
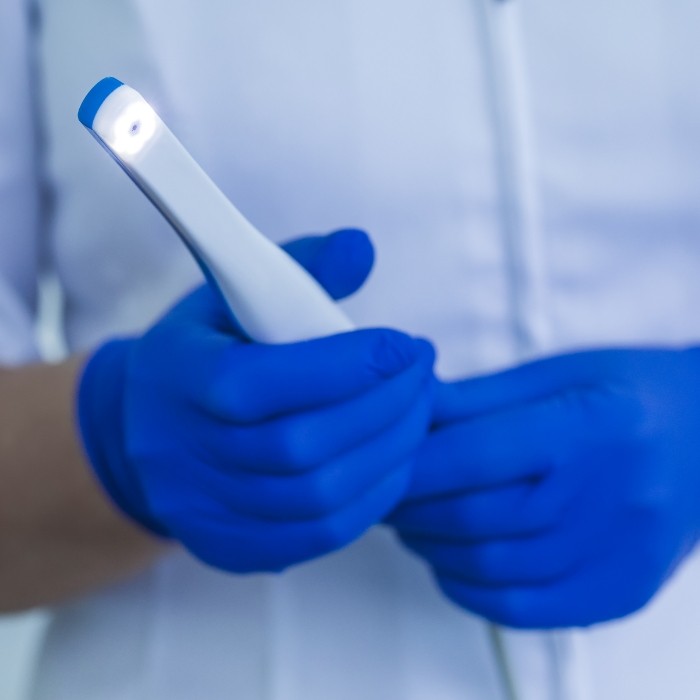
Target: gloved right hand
{"x":258,"y":457}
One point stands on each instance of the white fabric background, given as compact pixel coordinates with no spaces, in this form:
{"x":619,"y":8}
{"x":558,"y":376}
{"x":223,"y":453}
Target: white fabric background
{"x":19,"y":638}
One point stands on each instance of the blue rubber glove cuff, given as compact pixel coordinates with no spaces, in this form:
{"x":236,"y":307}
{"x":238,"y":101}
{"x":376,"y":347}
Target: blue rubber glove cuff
{"x":100,"y":410}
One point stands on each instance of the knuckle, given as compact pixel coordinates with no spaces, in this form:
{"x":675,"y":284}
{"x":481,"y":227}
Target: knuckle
{"x":619,"y":417}
{"x":488,"y":561}
{"x":466,"y":520}
{"x":296,"y":446}
{"x":322,"y":495}
{"x":575,"y":406}
{"x":633,"y":420}
{"x":546,"y":569}
{"x":540,"y":515}
{"x":240,"y":383}
{"x":389,"y":353}
{"x":229,"y":391}
{"x":237,"y":407}
{"x":545,"y":507}
{"x":649,"y":506}
{"x":512,"y":609}
{"x":331,"y":534}
{"x":264,"y":498}
{"x":504,"y":606}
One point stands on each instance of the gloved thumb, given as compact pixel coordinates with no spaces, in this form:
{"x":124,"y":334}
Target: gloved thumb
{"x":340,"y":261}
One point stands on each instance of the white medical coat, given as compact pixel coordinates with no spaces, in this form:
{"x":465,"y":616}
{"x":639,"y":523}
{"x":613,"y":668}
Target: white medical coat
{"x":530,"y":174}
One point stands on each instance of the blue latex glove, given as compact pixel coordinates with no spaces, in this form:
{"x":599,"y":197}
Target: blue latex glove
{"x":257,"y":457}
{"x":564,"y":492}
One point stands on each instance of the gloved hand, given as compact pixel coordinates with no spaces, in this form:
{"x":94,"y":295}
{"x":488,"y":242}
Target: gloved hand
{"x":257,"y":457}
{"x":564,"y":492}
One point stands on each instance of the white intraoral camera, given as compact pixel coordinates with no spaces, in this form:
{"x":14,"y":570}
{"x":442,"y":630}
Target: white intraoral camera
{"x":272,"y":297}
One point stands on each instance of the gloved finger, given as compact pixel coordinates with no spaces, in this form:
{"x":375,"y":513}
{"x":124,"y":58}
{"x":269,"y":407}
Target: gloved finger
{"x":233,"y":542}
{"x":579,"y":599}
{"x":493,"y":450}
{"x":201,"y":313}
{"x":479,"y":515}
{"x":539,"y":558}
{"x":340,"y":261}
{"x":330,"y":488}
{"x":516,"y":509}
{"x":535,"y":381}
{"x":253,"y":383}
{"x":304,"y":441}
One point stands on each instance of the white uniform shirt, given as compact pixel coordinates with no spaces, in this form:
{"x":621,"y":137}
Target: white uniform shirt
{"x":530,"y":174}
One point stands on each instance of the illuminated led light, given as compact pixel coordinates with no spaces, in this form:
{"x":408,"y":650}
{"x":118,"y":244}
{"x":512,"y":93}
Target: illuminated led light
{"x":133,"y":128}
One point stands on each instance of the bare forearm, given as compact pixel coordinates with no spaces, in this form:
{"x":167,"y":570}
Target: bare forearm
{"x":59,"y":534}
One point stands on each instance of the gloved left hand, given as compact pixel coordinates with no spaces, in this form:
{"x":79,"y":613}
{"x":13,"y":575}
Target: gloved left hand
{"x":564,"y":492}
